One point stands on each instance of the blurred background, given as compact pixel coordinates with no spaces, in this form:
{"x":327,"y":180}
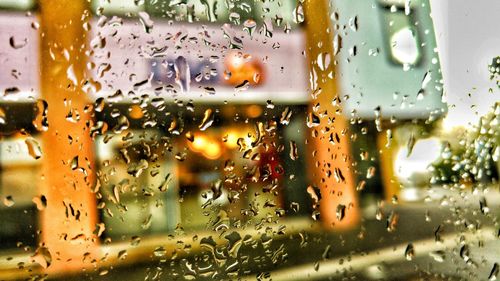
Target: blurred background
{"x":182,"y":139}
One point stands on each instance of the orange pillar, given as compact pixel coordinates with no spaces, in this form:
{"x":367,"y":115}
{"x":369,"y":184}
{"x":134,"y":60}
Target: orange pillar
{"x":331,"y":159}
{"x":70,"y":217}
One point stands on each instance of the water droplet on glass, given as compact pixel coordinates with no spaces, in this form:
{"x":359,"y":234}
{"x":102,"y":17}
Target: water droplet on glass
{"x":392,"y":221}
{"x":353,"y":23}
{"x":34,"y":149}
{"x":160,"y":252}
{"x":74,"y":163}
{"x":407,"y":7}
{"x":494,"y":272}
{"x":259,"y":133}
{"x":146,"y":21}
{"x":180,"y":156}
{"x":409,"y":252}
{"x":293,"y":150}
{"x":267,"y":28}
{"x":40,"y":122}
{"x":209,"y":90}
{"x":410,"y":144}
{"x":11,"y":91}
{"x":323,"y":61}
{"x":234,"y":18}
{"x":298,"y":13}
{"x":136,"y":168}
{"x":43,"y":257}
{"x":483,"y":206}
{"x":315,"y":195}
{"x":312,"y":120}
{"x":370,"y":172}
{"x":426,"y":79}
{"x":373,"y":52}
{"x":378,"y":118}
{"x":243,"y":86}
{"x":208,"y":119}
{"x":340,"y":212}
{"x":337,"y":44}
{"x":8,"y":201}
{"x":235,"y":43}
{"x":210,"y":9}
{"x":122,"y":254}
{"x":135,"y":240}
{"x":465,"y":253}
{"x":17,"y":43}
{"x":122,"y":124}
{"x":164,"y":185}
{"x":99,"y":104}
{"x":438,"y":256}
{"x":35,"y":25}
{"x":40,"y":202}
{"x":70,"y":73}
{"x":286,"y":115}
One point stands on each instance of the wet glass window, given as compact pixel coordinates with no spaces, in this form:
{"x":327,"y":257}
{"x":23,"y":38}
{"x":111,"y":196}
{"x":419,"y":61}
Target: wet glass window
{"x":249,"y":140}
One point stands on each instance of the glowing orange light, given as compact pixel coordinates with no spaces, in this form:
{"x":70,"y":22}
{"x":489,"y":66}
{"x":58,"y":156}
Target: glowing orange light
{"x":232,"y":136}
{"x":198,"y":143}
{"x":209,"y":148}
{"x":231,"y":139}
{"x":135,"y":112}
{"x":243,"y":67}
{"x":254,"y":111}
{"x":212,"y":150}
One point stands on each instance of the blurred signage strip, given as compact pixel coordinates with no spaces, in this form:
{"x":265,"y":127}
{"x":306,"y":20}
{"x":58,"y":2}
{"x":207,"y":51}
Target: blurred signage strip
{"x":126,"y":62}
{"x":19,"y":74}
{"x":186,"y":61}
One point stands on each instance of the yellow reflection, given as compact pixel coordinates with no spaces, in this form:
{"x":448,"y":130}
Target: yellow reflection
{"x":232,"y":136}
{"x":212,"y":150}
{"x":208,"y":147}
{"x":198,"y":143}
{"x":231,"y":139}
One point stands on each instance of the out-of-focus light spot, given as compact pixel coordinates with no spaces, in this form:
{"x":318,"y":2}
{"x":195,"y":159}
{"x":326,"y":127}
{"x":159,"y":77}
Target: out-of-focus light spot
{"x":135,"y":112}
{"x":198,"y":143}
{"x":231,"y":139}
{"x":404,"y":46}
{"x":242,"y":67}
{"x":212,"y":150}
{"x":254,"y":111}
{"x":233,"y":135}
{"x":424,"y":152}
{"x":209,"y":148}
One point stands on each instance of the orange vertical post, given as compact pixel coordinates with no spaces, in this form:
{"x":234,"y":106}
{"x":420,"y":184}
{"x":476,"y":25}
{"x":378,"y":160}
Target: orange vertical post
{"x":68,"y":221}
{"x":332,"y":163}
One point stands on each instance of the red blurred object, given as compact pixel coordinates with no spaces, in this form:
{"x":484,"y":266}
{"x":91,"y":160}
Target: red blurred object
{"x":270,"y":162}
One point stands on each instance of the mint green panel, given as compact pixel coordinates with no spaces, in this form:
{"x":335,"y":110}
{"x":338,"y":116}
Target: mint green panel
{"x":387,"y":59}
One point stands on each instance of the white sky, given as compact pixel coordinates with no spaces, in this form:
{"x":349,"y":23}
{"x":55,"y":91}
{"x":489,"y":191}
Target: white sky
{"x":468,"y":37}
